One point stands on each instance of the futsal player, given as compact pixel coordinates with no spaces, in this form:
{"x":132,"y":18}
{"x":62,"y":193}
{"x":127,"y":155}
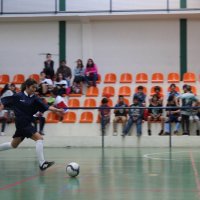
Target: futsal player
{"x":25,"y":104}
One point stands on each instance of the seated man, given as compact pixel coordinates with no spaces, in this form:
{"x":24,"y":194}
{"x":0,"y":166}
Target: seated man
{"x":135,"y":116}
{"x":104,"y":113}
{"x":157,"y":92}
{"x":120,"y":114}
{"x":155,"y":114}
{"x":173,"y":115}
{"x":172,"y":91}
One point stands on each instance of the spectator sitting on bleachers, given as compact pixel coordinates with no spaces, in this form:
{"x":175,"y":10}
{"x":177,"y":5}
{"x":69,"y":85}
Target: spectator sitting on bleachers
{"x":155,"y":114}
{"x":76,"y":88}
{"x":120,"y":114}
{"x":135,"y":116}
{"x":49,"y":66}
{"x":172,"y":91}
{"x":61,"y":84}
{"x":141,"y":95}
{"x":91,"y":73}
{"x":157,"y":92}
{"x":104,"y":114}
{"x":79,"y":72}
{"x":45,"y":86}
{"x":65,"y":71}
{"x":173,"y":115}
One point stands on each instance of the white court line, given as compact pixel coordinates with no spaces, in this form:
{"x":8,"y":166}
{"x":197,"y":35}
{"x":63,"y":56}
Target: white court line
{"x":151,"y":155}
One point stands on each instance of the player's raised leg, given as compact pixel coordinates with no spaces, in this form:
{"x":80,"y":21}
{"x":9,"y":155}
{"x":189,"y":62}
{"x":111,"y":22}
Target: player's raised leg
{"x":40,"y":152}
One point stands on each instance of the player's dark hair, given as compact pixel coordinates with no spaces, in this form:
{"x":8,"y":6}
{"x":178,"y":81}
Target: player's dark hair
{"x":121,"y":96}
{"x":55,"y":91}
{"x":27,"y":83}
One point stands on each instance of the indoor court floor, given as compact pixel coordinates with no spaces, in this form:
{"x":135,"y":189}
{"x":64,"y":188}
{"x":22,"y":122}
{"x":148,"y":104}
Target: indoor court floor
{"x":112,"y":174}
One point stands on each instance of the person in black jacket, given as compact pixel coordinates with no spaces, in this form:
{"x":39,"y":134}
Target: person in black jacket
{"x":49,"y":66}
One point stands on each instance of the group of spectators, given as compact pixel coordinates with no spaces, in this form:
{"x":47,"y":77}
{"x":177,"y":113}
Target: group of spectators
{"x":63,"y":79}
{"x":181,"y":109}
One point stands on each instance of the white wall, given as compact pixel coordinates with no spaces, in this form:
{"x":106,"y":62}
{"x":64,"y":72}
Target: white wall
{"x":194,"y":46}
{"x":22,"y":43}
{"x":126,"y":46}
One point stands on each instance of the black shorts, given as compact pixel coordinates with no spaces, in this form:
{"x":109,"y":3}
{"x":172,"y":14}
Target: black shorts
{"x":25,"y":132}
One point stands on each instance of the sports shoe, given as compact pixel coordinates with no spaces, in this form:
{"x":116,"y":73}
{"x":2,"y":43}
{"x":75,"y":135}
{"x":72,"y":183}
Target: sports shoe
{"x":46,"y":165}
{"x":149,"y":132}
{"x":161,"y":132}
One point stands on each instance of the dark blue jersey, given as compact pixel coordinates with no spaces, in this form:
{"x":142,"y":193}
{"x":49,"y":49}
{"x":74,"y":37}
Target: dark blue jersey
{"x":24,"y":107}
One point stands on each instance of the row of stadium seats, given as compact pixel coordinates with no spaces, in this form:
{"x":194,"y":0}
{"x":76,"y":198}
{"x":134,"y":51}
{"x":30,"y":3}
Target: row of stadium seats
{"x":188,"y":77}
{"x":109,"y":91}
{"x":71,"y":117}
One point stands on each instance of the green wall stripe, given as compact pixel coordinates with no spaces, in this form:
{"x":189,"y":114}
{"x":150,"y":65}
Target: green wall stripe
{"x":183,"y":46}
{"x":62,"y":5}
{"x":62,"y":40}
{"x":183,"y":3}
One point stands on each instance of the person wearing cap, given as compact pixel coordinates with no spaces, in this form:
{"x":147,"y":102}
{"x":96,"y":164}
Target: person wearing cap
{"x":135,"y":116}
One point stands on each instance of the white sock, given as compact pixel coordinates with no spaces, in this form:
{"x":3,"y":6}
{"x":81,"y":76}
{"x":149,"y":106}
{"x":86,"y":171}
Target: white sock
{"x":5,"y":146}
{"x":39,"y":151}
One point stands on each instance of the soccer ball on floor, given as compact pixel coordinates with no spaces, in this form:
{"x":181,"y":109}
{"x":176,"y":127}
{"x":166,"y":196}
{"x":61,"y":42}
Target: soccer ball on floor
{"x":73,"y":169}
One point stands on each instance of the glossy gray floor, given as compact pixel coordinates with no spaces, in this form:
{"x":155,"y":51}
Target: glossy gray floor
{"x":131,"y":173}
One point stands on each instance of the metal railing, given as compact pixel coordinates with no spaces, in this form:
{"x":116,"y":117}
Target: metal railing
{"x":168,"y":108}
{"x":8,"y":7}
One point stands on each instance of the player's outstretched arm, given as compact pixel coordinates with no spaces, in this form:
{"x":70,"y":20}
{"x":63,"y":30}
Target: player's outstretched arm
{"x":53,"y":109}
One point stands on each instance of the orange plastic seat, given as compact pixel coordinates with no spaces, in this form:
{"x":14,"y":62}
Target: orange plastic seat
{"x":189,"y":77}
{"x":74,"y":103}
{"x":92,"y":92}
{"x":75,"y":95}
{"x":69,"y":117}
{"x":4,"y":78}
{"x":141,"y":78}
{"x":126,"y":78}
{"x":36,"y":77}
{"x":90,"y":103}
{"x":144,"y":89}
{"x":194,"y":90}
{"x":161,"y":91}
{"x":125,"y":91}
{"x":157,"y":78}
{"x":99,"y":79}
{"x":86,"y":117}
{"x":177,"y":89}
{"x":18,"y":79}
{"x":110,"y":78}
{"x":173,"y":78}
{"x":52,"y":118}
{"x":1,"y":89}
{"x":108,"y":91}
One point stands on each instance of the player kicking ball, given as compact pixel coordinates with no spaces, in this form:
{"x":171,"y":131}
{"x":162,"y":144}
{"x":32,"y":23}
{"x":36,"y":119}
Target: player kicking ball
{"x":25,"y":104}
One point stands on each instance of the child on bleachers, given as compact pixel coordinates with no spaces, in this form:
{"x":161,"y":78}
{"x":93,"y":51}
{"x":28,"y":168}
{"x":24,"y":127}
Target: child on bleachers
{"x":46,"y":84}
{"x":173,"y":115}
{"x":61,"y":84}
{"x":157,"y":92}
{"x":76,"y":88}
{"x":120,"y":114}
{"x":141,"y":95}
{"x":91,"y":73}
{"x":104,"y":113}
{"x":172,"y":91}
{"x":79,"y":72}
{"x":188,"y":99}
{"x":49,"y":66}
{"x":135,"y":116}
{"x":155,"y":114}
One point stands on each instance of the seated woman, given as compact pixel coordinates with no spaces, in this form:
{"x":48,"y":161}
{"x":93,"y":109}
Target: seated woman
{"x":61,"y":84}
{"x":91,"y":73}
{"x":79,"y":72}
{"x":45,"y":86}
